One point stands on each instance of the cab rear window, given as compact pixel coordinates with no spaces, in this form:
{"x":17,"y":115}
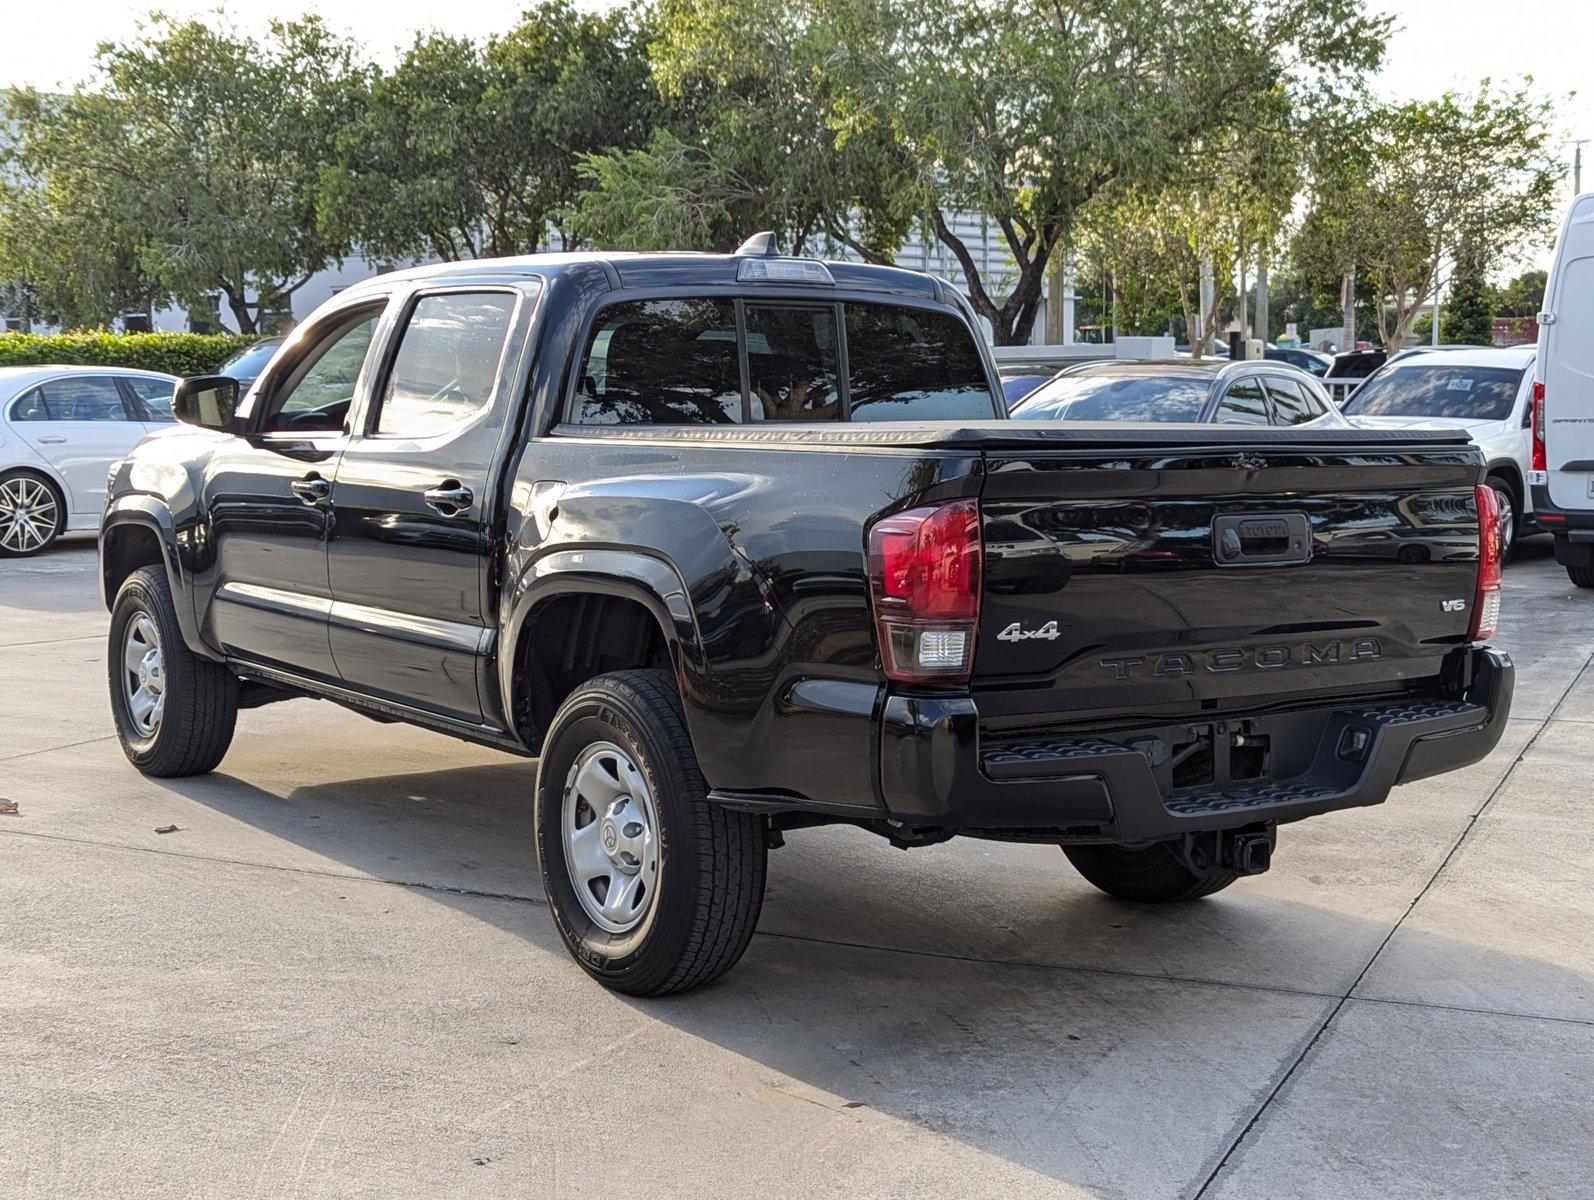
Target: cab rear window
{"x":697,"y":361}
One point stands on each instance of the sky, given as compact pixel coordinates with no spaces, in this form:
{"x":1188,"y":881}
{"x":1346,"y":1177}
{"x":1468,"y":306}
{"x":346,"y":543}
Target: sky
{"x":1439,"y":44}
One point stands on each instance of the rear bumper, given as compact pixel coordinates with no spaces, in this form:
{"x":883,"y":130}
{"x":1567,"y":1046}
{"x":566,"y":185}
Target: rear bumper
{"x":936,"y":770}
{"x":1573,"y":529}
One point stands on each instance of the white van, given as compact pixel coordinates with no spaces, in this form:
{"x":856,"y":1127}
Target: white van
{"x":1562,"y":475}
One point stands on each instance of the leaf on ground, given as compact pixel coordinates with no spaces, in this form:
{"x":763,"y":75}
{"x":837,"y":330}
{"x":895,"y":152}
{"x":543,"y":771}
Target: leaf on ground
{"x":8,"y":806}
{"x":166,"y":829}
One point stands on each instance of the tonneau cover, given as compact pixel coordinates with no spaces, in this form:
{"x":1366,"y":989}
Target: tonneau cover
{"x":1018,"y":435}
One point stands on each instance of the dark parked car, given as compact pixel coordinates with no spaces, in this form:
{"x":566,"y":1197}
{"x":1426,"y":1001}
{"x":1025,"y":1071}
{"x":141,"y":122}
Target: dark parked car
{"x":1018,"y":382}
{"x":1313,"y":362}
{"x":739,"y":544}
{"x":246,"y":365}
{"x":1182,"y":390}
{"x":1355,"y":364}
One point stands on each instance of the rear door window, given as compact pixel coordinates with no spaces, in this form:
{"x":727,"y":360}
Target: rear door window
{"x":1243,"y":404}
{"x":661,"y":362}
{"x":155,"y":395}
{"x":694,"y":361}
{"x":910,"y":364}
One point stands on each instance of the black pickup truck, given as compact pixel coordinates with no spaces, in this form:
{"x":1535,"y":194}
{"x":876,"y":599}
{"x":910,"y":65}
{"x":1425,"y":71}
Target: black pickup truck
{"x":739,"y":544}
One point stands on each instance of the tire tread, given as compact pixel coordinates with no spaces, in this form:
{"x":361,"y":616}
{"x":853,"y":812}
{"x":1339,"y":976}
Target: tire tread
{"x":202,"y":696}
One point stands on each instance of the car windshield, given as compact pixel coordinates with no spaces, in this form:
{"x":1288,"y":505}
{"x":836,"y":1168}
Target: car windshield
{"x":1453,"y":392}
{"x":1115,"y":398}
{"x":249,"y":362}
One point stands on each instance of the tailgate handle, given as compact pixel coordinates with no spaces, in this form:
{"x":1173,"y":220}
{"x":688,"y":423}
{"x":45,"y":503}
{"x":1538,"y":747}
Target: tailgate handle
{"x":1271,"y":539}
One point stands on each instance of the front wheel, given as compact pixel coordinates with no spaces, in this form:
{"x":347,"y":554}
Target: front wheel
{"x":175,"y":712}
{"x":1153,"y":874}
{"x":653,"y":888}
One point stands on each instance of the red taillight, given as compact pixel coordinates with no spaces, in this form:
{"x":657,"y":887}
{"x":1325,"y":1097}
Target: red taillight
{"x":1486,"y":600}
{"x":925,"y":568}
{"x":1540,"y":459}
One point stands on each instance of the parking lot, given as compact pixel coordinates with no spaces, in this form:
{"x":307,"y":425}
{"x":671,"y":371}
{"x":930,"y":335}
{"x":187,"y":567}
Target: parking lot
{"x":336,"y":977}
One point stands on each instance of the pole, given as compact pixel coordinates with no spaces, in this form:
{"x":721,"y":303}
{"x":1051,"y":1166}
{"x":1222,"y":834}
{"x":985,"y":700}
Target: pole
{"x":1433,"y":339}
{"x":1577,"y":166}
{"x":1054,"y":298}
{"x":1264,"y":324}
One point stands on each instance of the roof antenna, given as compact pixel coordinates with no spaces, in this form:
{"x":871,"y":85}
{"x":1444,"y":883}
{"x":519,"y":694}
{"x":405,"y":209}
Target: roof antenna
{"x":760,"y":245}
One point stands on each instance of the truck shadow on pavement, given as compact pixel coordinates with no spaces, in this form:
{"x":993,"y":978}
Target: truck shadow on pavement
{"x":975,"y":992}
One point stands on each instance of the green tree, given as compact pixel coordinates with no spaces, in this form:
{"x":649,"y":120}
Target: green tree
{"x":1523,"y":296}
{"x":465,"y":150}
{"x":195,"y":152}
{"x":1468,"y":318}
{"x":856,"y":121}
{"x":1404,"y":188}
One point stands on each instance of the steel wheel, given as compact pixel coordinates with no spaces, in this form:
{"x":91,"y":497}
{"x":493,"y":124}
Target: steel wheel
{"x":29,"y":514}
{"x":610,"y":831}
{"x":144,"y":675}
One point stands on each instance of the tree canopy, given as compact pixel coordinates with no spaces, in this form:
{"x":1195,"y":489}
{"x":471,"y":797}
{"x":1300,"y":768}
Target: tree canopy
{"x":467,"y":150}
{"x":188,"y":169}
{"x":1407,"y":191}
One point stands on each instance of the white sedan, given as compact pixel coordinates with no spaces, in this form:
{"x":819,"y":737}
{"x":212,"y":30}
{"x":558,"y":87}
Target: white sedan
{"x":60,"y":430}
{"x":1486,"y":391}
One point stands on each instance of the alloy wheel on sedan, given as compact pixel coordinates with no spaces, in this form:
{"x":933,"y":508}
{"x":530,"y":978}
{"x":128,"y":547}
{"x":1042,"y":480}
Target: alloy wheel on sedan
{"x":30,"y":515}
{"x":1507,"y":524}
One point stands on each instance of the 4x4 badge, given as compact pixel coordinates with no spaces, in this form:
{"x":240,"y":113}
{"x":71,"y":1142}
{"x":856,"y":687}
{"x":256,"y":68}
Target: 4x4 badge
{"x":1016,"y":633}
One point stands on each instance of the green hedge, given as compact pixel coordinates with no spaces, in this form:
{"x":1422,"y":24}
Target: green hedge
{"x":173,"y":353}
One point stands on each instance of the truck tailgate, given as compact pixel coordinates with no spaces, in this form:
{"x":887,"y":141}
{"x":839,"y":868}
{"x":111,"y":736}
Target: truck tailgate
{"x":1161,"y":573}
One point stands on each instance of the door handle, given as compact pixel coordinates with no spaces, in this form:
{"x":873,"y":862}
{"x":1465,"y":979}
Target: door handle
{"x":450,"y":499}
{"x":52,"y":441}
{"x":311,"y":489}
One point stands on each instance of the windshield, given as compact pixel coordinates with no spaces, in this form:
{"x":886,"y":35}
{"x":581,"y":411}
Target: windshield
{"x":1115,"y":398}
{"x":1457,"y":393}
{"x":250,"y":361}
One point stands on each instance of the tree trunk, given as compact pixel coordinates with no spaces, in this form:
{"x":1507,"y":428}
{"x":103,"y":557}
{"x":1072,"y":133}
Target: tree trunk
{"x":240,"y":311}
{"x":1347,"y":308}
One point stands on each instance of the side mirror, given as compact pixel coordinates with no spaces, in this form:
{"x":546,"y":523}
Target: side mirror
{"x":206,"y":400}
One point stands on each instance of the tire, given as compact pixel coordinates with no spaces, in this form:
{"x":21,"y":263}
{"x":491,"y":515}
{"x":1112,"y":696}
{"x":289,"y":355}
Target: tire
{"x":32,"y":514}
{"x":1509,"y":530}
{"x":708,"y":882}
{"x":198,"y":709}
{"x":1582,"y":576}
{"x":1150,"y":874}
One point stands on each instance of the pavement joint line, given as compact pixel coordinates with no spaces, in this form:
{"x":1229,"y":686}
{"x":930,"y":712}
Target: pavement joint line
{"x":344,"y":876}
{"x":873,"y":947}
{"x":52,"y":749}
{"x":1435,"y":1006}
{"x":87,"y":637}
{"x":1317,"y":1036}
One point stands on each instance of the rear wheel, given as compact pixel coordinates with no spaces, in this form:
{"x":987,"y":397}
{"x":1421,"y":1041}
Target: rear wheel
{"x":1505,"y":496}
{"x":175,"y":712}
{"x":1582,"y":576}
{"x":1153,"y":874}
{"x":653,"y":889}
{"x":32,"y":514}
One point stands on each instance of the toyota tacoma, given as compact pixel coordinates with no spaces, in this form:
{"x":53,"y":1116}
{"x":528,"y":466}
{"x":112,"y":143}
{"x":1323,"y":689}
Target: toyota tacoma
{"x":741,"y":544}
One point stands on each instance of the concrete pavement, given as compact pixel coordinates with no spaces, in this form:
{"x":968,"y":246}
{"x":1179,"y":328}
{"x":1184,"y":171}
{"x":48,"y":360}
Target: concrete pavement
{"x":337,"y":978}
